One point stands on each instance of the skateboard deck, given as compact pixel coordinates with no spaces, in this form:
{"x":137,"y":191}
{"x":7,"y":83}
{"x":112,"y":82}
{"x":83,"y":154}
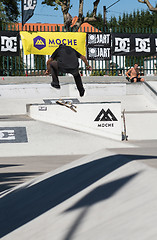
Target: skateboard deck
{"x":124,"y":137}
{"x":67,"y":104}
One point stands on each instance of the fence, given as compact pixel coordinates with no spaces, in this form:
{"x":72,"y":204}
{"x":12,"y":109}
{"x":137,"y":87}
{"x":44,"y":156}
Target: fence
{"x":36,"y":64}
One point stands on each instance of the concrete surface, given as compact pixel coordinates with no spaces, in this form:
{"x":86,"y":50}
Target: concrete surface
{"x":66,"y":79}
{"x":104,"y":194}
{"x":92,"y":187}
{"x":153,"y":84}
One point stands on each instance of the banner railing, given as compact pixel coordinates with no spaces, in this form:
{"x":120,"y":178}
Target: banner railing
{"x":36,"y":64}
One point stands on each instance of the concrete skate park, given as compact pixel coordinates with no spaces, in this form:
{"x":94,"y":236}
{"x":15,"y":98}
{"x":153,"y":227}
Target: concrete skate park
{"x":70,"y":175}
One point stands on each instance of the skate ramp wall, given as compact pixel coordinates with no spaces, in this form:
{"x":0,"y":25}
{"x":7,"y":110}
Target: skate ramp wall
{"x":70,"y":90}
{"x":103,"y":119}
{"x":67,"y":90}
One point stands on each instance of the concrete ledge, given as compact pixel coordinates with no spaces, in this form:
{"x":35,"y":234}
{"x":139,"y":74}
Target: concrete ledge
{"x":67,"y":90}
{"x":102,"y":119}
{"x":141,"y":125}
{"x":66,"y":79}
{"x":63,"y":79}
{"x":150,"y":92}
{"x":45,"y":90}
{"x":32,"y":91}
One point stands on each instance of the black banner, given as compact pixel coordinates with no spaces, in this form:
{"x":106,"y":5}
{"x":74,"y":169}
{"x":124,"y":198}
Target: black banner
{"x":9,"y":43}
{"x":28,"y":7}
{"x":134,"y":44}
{"x":98,"y":46}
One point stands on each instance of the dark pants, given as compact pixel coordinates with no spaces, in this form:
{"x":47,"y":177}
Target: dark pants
{"x":138,"y":79}
{"x":55,"y":81}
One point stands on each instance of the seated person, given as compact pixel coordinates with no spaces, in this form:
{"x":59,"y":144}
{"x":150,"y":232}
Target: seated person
{"x":134,"y":74}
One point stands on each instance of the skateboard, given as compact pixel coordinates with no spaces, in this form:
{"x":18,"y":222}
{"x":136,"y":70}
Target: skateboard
{"x":124,"y":134}
{"x":67,"y":104}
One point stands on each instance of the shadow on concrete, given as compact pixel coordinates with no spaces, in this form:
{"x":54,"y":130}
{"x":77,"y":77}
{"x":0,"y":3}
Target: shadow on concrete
{"x":25,"y":204}
{"x":9,"y":165}
{"x":102,"y":192}
{"x":12,"y":179}
{"x":97,"y":195}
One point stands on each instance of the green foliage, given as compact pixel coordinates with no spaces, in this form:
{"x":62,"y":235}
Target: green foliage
{"x":98,"y":73}
{"x":99,"y":23}
{"x":54,"y":3}
{"x":145,"y":21}
{"x":112,"y":72}
{"x":136,"y":21}
{"x":49,"y":3}
{"x":10,"y":8}
{"x":9,"y":11}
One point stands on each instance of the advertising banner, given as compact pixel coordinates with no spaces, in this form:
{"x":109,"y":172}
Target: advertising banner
{"x":28,"y":7}
{"x":98,"y":46}
{"x":134,"y":44}
{"x":45,"y":43}
{"x":9,"y":43}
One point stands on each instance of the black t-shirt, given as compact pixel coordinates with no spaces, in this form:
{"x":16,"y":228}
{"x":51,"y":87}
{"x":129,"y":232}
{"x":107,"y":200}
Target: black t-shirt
{"x":67,"y":58}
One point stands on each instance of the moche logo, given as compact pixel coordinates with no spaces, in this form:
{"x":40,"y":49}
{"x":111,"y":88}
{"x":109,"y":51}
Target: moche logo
{"x":105,"y":116}
{"x":39,"y":42}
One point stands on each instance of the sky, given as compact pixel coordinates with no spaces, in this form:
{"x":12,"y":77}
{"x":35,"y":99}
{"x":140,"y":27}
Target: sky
{"x":47,"y":14}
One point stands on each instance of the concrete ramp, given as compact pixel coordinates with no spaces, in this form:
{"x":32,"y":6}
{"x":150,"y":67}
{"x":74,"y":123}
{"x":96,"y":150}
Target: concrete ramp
{"x":139,"y":101}
{"x":100,"y":118}
{"x":104,"y":195}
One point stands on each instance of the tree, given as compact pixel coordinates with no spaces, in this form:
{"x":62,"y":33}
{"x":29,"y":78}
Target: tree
{"x":99,"y":23}
{"x":151,"y":8}
{"x":10,"y":10}
{"x":136,"y":21}
{"x":3,"y":16}
{"x":65,"y":7}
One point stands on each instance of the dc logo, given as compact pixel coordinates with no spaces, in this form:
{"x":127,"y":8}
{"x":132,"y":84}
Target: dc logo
{"x":29,"y":4}
{"x":142,"y":45}
{"x":8,"y":44}
{"x":122,"y":45}
{"x":7,"y":135}
{"x":13,"y":135}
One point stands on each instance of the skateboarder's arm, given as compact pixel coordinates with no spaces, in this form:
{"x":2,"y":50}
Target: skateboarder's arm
{"x":128,"y":72}
{"x":84,"y":59}
{"x":48,"y":71}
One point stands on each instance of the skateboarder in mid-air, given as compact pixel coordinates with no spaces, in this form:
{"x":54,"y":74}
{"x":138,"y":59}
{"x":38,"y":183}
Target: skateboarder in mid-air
{"x":67,"y":62}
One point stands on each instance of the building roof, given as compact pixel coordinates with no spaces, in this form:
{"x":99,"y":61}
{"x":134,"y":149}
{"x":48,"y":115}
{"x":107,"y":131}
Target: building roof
{"x":46,"y":27}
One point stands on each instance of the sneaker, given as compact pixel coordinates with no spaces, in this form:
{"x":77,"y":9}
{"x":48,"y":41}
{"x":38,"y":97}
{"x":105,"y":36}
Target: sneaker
{"x":82,"y":93}
{"x":55,"y":86}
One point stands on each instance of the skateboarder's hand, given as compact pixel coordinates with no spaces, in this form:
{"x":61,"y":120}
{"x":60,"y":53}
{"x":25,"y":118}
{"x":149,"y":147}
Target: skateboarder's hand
{"x":47,"y":72}
{"x":89,"y":68}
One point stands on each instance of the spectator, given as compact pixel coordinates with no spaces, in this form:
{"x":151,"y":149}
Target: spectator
{"x":133,"y":74}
